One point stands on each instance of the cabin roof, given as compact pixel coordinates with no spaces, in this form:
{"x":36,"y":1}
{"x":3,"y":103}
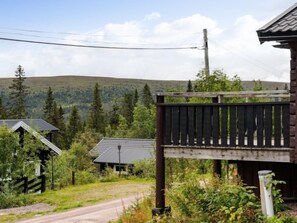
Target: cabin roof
{"x":46,"y":142}
{"x":38,"y":124}
{"x":131,"y":150}
{"x":282,"y":28}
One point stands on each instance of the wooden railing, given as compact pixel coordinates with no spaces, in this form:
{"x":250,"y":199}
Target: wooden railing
{"x":24,"y":185}
{"x":228,"y":125}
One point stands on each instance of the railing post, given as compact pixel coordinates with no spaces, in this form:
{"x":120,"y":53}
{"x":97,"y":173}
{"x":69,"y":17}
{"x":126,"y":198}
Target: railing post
{"x":26,"y":185}
{"x":217,"y":166}
{"x":160,"y":162}
{"x":43,"y":181}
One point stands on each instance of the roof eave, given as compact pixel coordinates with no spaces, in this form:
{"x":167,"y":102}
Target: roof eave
{"x":277,"y":18}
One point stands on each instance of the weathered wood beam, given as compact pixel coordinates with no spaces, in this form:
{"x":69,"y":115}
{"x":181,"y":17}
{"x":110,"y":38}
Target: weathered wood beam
{"x":237,"y":94}
{"x":229,"y":153}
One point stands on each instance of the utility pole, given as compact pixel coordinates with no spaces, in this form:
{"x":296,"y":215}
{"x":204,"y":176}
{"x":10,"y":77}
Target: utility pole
{"x":206,"y":59}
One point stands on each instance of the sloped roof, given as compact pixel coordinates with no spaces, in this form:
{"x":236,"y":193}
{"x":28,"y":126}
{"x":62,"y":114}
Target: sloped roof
{"x":131,"y":150}
{"x":38,"y":124}
{"x":282,"y":28}
{"x":21,"y":124}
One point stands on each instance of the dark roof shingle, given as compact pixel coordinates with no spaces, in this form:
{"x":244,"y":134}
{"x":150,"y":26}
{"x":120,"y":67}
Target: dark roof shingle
{"x":281,"y":28}
{"x":38,"y":124}
{"x":131,"y":150}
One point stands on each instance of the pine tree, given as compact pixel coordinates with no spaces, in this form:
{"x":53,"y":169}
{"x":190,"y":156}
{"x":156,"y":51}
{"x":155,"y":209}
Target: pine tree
{"x":61,"y":135}
{"x":128,"y":107}
{"x":147,"y":98}
{"x":96,"y":115}
{"x":17,"y":96}
{"x":48,"y":109}
{"x":190,"y":86}
{"x":3,"y":112}
{"x":114,"y":116}
{"x":136,"y":98}
{"x":74,"y":125}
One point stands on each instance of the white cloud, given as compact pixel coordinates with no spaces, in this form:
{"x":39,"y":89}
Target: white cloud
{"x":152,"y":16}
{"x":235,"y":49}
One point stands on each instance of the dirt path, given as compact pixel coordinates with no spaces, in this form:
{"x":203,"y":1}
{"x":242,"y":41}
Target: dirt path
{"x":99,"y":213}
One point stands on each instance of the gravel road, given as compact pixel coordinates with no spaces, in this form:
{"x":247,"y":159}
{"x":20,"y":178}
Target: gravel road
{"x":99,"y":213}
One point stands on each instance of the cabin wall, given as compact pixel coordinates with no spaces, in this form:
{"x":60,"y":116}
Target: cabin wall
{"x":248,"y":172}
{"x":293,"y":96}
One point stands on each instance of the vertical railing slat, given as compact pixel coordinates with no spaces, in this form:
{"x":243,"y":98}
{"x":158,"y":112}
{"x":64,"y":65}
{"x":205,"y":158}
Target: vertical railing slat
{"x":233,"y":122}
{"x":224,"y":126}
{"x":191,"y":125}
{"x":207,"y":125}
{"x":175,"y":125}
{"x":286,"y":124}
{"x":277,"y":126}
{"x":168,"y":126}
{"x":241,"y":125}
{"x":199,"y":125}
{"x":260,"y":125}
{"x":183,"y":125}
{"x":268,"y":125}
{"x":215,"y":121}
{"x":250,"y":125}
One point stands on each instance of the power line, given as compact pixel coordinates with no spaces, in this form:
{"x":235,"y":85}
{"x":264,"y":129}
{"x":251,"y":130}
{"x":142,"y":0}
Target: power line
{"x":78,"y":40}
{"x":99,"y":47}
{"x":244,"y":57}
{"x":73,"y":33}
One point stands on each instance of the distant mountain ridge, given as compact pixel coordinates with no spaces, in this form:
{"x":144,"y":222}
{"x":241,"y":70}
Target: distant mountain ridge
{"x":78,"y":90}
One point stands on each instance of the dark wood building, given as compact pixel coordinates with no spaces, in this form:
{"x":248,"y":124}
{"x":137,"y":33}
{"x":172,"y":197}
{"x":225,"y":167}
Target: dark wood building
{"x":255,"y":136}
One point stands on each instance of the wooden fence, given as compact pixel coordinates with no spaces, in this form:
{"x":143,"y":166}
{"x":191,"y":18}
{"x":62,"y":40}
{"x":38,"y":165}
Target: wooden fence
{"x":24,"y":185}
{"x":227,"y":125}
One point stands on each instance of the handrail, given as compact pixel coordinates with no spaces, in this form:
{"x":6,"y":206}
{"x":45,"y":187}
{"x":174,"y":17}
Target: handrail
{"x":230,"y":94}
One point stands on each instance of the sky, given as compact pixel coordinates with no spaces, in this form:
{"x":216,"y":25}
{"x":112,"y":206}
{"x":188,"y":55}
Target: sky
{"x":233,"y":43}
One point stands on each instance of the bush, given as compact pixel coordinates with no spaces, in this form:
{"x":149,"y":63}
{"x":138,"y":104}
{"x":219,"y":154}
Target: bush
{"x":85,"y":177}
{"x":145,"y":168}
{"x":216,"y":202}
{"x":109,"y":175}
{"x":139,"y":212}
{"x":9,"y":200}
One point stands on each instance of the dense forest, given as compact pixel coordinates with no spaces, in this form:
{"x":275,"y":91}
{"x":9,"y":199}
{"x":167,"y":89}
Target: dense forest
{"x":76,"y":90}
{"x":109,"y":107}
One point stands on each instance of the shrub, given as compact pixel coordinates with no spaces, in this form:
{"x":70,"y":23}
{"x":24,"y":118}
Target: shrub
{"x":85,"y":177}
{"x":109,"y":175}
{"x":145,"y":168}
{"x":217,"y":202}
{"x":139,"y":212}
{"x":10,"y":199}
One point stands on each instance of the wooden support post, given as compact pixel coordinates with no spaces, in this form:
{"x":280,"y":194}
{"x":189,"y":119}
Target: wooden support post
{"x":293,"y":101}
{"x":43,"y":183}
{"x":160,"y":162}
{"x":217,"y":166}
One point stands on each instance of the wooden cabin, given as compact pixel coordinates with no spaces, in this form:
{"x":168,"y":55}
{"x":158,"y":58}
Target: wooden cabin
{"x":254,"y":136}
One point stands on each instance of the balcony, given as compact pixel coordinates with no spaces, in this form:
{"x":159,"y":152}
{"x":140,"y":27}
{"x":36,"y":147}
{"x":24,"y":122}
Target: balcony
{"x":249,"y":131}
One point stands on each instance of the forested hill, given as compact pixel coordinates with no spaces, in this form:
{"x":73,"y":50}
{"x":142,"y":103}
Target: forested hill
{"x":78,"y":90}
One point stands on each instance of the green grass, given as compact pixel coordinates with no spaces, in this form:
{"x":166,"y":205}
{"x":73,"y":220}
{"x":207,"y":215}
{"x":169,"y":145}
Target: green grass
{"x":79,"y":196}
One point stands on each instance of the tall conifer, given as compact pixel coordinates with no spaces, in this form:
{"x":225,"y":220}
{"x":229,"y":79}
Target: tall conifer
{"x":74,"y":125}
{"x":147,"y":98}
{"x":17,"y":96}
{"x":96,"y":114}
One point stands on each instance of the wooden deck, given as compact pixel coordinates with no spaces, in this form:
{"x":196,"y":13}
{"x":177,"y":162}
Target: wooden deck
{"x":239,"y":131}
{"x":229,"y":153}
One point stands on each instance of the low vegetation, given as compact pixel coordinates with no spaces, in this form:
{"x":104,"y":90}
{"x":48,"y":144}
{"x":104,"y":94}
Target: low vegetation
{"x":208,"y":201}
{"x":82,"y":195}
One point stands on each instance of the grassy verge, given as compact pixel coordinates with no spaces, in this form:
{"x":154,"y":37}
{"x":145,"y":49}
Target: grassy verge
{"x":79,"y":196}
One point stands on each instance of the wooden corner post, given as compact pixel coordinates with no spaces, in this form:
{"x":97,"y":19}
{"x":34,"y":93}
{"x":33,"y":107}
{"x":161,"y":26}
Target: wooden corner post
{"x":293,"y":101}
{"x":160,"y":161}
